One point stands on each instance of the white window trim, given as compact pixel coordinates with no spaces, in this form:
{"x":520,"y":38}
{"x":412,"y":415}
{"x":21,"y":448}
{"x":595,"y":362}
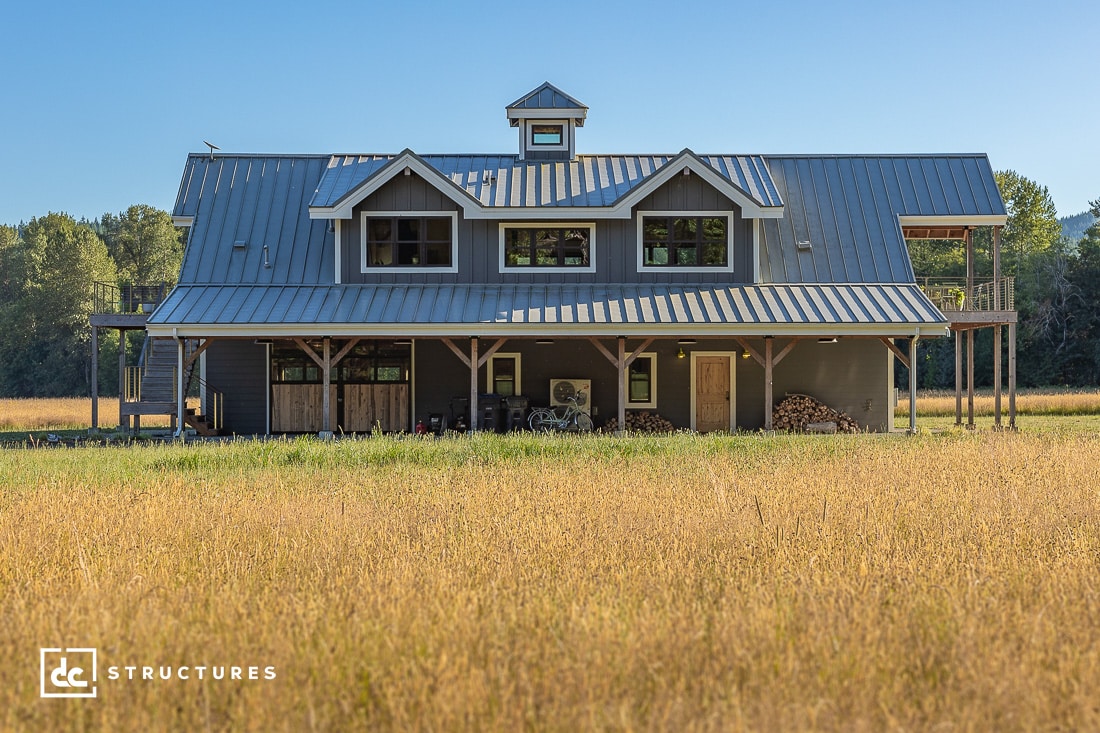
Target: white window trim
{"x":529,"y":135}
{"x":489,"y":383}
{"x":727,"y":215}
{"x":652,"y":404}
{"x":503,"y":268}
{"x":365,"y":268}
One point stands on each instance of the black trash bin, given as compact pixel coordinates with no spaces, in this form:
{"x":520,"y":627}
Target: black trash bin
{"x":489,"y":413}
{"x":516,"y":412}
{"x":460,"y":413}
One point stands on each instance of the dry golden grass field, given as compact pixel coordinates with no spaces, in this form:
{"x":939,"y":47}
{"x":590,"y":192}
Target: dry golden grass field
{"x":838,"y":583}
{"x":63,"y":413}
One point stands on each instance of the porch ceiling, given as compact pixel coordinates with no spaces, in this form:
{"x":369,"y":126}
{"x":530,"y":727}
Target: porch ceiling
{"x":546,"y":309}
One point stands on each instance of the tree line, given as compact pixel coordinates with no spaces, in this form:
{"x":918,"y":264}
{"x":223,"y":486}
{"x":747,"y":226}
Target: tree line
{"x":47,"y":268}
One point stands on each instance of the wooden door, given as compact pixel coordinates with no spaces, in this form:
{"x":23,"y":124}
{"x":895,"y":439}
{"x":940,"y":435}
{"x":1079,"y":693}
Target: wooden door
{"x":712,"y":393}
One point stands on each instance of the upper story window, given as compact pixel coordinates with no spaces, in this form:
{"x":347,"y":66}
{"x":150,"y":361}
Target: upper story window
{"x":696,"y":240}
{"x":547,"y":134}
{"x":546,"y":247}
{"x":412,"y":240}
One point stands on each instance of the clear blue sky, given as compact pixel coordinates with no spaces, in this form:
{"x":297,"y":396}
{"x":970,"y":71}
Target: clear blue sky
{"x":104,"y":101}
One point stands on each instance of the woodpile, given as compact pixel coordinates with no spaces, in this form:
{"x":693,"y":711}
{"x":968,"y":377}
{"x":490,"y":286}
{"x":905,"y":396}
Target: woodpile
{"x":638,"y":421}
{"x":802,"y":413}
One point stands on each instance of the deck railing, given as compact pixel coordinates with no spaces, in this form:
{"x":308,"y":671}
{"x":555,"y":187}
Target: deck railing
{"x":128,"y":298}
{"x":952,"y":293}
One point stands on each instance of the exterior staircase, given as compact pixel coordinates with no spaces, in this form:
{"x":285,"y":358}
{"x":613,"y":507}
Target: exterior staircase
{"x":155,"y":382}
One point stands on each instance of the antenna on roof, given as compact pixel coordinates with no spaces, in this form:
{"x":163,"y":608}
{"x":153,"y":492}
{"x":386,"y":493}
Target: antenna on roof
{"x":212,"y":147}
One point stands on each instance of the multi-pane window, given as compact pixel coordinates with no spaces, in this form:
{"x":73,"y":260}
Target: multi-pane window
{"x":685,"y":241}
{"x":369,"y":362}
{"x":504,"y":374}
{"x":547,"y":247}
{"x":641,"y":381}
{"x":408,"y":241}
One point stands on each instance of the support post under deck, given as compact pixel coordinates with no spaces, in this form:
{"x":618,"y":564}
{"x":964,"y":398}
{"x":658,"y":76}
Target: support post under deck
{"x":913,"y":384}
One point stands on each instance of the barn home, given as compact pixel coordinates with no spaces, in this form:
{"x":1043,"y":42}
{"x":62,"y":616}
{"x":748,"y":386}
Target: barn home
{"x":351,"y":292}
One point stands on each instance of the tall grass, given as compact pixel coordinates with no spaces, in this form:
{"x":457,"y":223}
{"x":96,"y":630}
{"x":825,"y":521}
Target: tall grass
{"x":788,"y":583}
{"x":64,"y":413}
{"x":941,"y":403}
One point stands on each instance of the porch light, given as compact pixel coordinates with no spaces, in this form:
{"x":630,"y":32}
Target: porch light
{"x":544,"y":341}
{"x":745,"y":354}
{"x":827,"y":340}
{"x":686,"y":341}
{"x":680,"y":354}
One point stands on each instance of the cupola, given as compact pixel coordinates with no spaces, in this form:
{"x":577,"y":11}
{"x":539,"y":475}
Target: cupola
{"x":547,"y":119}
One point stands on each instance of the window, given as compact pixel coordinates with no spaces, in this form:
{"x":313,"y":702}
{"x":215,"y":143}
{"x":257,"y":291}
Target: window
{"x":504,"y":374}
{"x":369,"y":362}
{"x":547,"y":247}
{"x":546,"y":134}
{"x":641,"y":381}
{"x":675,"y":240}
{"x":409,"y":240}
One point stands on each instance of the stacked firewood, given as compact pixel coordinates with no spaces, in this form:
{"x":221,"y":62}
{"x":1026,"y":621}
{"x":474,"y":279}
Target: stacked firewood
{"x":638,"y":421}
{"x":802,"y":413}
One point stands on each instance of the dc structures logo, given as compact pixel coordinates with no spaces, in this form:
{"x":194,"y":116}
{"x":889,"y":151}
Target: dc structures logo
{"x":69,"y":672}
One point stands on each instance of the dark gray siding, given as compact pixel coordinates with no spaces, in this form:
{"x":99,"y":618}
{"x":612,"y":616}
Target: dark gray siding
{"x":853,"y":375}
{"x":238,"y":369}
{"x":616,"y":248}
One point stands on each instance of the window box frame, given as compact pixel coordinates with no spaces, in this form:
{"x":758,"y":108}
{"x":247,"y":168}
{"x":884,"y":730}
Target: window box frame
{"x":502,"y":263}
{"x":640,"y":216}
{"x":366,"y":268}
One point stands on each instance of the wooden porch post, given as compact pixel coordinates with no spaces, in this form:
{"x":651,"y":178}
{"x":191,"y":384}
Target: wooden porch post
{"x":123,"y":418}
{"x":913,"y":384}
{"x":473,"y":384}
{"x":95,"y":378}
{"x":997,"y":270}
{"x":768,"y":364}
{"x":997,"y":376}
{"x":181,"y":398}
{"x":958,"y":379}
{"x":326,"y":381}
{"x":970,"y":379}
{"x":620,"y":365}
{"x":1012,"y":376}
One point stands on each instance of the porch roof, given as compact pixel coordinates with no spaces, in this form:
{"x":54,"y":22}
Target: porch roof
{"x":546,"y":309}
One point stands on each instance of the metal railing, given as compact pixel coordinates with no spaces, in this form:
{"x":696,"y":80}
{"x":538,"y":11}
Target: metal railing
{"x":127,"y":298}
{"x":952,"y":294}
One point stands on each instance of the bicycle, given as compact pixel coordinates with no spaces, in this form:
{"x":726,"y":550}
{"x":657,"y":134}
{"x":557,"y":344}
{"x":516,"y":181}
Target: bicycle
{"x":543,"y":419}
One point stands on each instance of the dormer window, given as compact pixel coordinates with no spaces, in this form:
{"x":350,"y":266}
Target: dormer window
{"x":546,"y":134}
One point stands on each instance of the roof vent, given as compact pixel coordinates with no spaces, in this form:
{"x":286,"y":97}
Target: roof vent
{"x":805,"y":244}
{"x":240,"y":244}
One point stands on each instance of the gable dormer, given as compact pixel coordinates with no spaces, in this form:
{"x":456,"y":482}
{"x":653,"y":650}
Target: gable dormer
{"x":547,"y":119}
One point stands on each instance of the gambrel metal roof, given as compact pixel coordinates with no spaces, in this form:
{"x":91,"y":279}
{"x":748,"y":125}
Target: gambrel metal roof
{"x":843,"y":215}
{"x":505,"y":181}
{"x":550,"y":309}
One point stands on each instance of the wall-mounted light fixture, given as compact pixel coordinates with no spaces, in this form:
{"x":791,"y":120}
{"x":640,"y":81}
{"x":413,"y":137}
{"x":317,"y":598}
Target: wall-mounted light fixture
{"x":745,"y":354}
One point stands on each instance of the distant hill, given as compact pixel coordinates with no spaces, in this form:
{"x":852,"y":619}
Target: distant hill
{"x":1073,"y":227}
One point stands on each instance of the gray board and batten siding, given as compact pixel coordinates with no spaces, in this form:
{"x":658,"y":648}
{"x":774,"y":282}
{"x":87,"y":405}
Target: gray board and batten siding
{"x":615,"y":247}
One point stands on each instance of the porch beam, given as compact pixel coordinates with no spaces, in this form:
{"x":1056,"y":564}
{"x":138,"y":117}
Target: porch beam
{"x":901,"y":355}
{"x":634,"y":354}
{"x":620,"y":368}
{"x":768,"y":364}
{"x":457,"y":352}
{"x":326,"y":399}
{"x":181,"y":404}
{"x":913,"y":384}
{"x":786,"y":350}
{"x":95,"y":378}
{"x":310,"y":352}
{"x":752,"y":352}
{"x":603,"y":350}
{"x":490,"y":351}
{"x":344,"y":351}
{"x":970,"y":379}
{"x":1012,"y":376}
{"x":997,"y":376}
{"x":473,"y":364}
{"x":195,"y":354}
{"x":958,"y":379}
